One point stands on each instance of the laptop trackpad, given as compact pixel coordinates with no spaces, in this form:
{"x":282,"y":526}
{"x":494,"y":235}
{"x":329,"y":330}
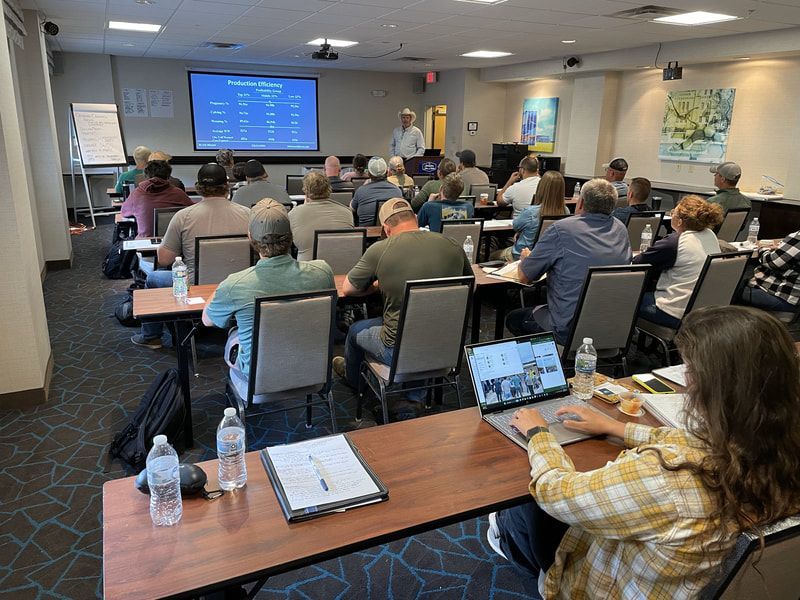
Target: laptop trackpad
{"x":564,"y":435}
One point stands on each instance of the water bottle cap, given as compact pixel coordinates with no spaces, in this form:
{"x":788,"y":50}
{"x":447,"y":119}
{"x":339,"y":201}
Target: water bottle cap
{"x":230,"y":412}
{"x":469,"y":237}
{"x":159,"y":440}
{"x":178,"y":258}
{"x":588,"y":341}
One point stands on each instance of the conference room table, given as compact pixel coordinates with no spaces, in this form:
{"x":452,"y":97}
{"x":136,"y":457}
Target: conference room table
{"x":440,"y":470}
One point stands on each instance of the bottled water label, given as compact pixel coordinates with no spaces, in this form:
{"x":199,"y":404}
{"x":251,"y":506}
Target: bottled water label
{"x":162,"y":470}
{"x":232,"y":472}
{"x":230,"y":440}
{"x":585,"y":363}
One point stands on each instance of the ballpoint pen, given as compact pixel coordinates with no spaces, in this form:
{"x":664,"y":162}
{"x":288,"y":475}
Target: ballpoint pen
{"x":315,"y":465}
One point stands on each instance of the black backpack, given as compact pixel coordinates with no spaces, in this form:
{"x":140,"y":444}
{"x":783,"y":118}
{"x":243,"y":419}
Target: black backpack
{"x":118,"y":263}
{"x":161,"y":412}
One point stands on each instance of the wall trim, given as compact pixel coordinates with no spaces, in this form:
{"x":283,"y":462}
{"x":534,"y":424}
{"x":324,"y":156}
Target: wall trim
{"x":26,"y":399}
{"x":58,"y":265}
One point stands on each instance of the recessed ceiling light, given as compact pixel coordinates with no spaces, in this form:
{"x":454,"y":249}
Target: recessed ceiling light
{"x":742,"y":58}
{"x":484,"y":2}
{"x":128,"y":45}
{"x":389,"y":25}
{"x":146,"y":27}
{"x":696,"y":18}
{"x":332,"y":42}
{"x":486,"y":54}
{"x":567,"y":41}
{"x":146,"y":2}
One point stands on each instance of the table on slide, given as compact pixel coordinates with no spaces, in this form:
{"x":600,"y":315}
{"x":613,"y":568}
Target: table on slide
{"x":458,"y":464}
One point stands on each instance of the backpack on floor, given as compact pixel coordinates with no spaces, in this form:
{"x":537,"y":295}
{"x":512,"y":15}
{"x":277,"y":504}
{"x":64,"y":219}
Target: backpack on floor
{"x":161,"y":411}
{"x":118,"y":263}
{"x":124,"y":310}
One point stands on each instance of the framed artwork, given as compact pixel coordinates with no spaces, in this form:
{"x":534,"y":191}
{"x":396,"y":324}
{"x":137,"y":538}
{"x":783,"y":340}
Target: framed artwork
{"x":539,"y":118}
{"x":696,"y":125}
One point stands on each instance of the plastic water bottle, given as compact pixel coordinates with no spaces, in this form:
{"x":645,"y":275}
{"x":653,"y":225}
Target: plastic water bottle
{"x":468,"y":248}
{"x":577,"y":193}
{"x":180,"y":280}
{"x":230,"y":451}
{"x":585,"y":366}
{"x":647,"y":238}
{"x":163,"y":479}
{"x":752,"y":232}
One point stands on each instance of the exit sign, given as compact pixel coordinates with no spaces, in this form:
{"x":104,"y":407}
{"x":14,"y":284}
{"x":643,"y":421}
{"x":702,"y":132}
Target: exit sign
{"x":432,"y":77}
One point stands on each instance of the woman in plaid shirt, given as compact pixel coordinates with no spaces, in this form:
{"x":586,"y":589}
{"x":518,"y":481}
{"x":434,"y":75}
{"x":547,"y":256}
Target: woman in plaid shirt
{"x":658,"y":521}
{"x":776,"y":285}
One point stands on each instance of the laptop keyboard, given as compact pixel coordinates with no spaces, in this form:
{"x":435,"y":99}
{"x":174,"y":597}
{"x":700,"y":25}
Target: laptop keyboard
{"x":548,"y":412}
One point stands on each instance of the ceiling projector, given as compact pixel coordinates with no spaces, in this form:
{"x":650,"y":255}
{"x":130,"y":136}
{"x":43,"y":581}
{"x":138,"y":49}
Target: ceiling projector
{"x":325,"y":52}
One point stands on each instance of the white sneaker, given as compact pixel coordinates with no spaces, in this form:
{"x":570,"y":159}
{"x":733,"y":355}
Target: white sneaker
{"x":493,"y":535}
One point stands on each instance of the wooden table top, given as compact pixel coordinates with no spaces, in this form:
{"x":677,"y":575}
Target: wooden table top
{"x":439,"y":469}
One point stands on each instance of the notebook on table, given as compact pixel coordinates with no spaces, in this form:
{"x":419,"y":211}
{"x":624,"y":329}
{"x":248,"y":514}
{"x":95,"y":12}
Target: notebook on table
{"x":667,"y":408}
{"x":521,"y":372}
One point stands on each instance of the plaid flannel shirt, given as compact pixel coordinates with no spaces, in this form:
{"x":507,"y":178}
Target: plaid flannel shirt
{"x":778,"y":272}
{"x":636,"y":530}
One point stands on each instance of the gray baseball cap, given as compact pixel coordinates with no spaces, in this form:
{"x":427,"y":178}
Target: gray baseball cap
{"x":728,"y":170}
{"x":268,"y":217}
{"x":376,"y":166}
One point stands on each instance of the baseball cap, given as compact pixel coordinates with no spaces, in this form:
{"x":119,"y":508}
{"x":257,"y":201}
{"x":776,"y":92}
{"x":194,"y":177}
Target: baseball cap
{"x":618,"y":164}
{"x":376,"y":166}
{"x":212,"y":174}
{"x":392,"y":207}
{"x":268,"y":217}
{"x":467,"y":157}
{"x":728,"y":170}
{"x":253,"y":169}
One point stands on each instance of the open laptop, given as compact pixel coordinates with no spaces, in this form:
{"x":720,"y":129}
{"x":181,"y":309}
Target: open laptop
{"x":521,"y":372}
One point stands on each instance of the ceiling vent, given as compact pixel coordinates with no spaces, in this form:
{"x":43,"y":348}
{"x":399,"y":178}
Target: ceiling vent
{"x":645,"y":13}
{"x":413,"y":59}
{"x":222,"y":45}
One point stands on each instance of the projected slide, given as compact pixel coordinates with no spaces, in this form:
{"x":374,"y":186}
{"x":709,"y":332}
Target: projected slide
{"x":249,"y":112}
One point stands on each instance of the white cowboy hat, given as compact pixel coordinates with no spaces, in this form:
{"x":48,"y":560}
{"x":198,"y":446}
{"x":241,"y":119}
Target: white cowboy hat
{"x":407,"y":111}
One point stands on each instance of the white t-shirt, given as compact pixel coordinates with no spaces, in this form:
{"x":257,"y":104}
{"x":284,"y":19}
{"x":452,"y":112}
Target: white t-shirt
{"x":520,"y":195}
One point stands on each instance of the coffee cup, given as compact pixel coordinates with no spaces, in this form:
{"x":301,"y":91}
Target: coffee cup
{"x":630,"y":403}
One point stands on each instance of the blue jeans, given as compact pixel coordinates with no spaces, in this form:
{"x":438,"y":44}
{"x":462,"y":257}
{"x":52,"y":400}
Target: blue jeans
{"x":529,"y":538}
{"x":650,"y":312}
{"x":364,"y":337}
{"x":765,"y":301}
{"x":156,"y":279}
{"x":526,"y":321}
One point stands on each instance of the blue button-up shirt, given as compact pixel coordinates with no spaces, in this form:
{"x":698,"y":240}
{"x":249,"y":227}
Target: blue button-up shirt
{"x":407,"y":142}
{"x":565,"y":252}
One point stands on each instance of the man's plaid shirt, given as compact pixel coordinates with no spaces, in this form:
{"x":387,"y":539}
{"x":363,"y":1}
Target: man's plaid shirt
{"x":636,"y":530}
{"x":778,"y":272}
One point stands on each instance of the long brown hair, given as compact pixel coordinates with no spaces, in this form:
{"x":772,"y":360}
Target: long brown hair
{"x":550,"y":194}
{"x":743,"y":404}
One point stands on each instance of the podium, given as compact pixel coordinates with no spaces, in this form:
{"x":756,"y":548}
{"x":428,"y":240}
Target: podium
{"x":423,"y":165}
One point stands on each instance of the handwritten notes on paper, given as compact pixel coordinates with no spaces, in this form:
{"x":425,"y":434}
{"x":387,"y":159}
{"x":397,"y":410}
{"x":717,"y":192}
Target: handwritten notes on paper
{"x":161,"y":103}
{"x":134,"y":102}
{"x":141,"y":102}
{"x":98,"y":134}
{"x":338,"y":465}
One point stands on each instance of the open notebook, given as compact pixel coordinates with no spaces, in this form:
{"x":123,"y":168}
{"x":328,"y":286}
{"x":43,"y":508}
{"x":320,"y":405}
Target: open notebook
{"x":667,"y":408}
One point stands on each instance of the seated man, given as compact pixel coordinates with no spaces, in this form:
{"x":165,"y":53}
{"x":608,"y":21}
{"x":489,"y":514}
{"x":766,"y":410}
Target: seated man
{"x":213,"y":215}
{"x":397,"y":173}
{"x":470,"y":174}
{"x":448,"y":208}
{"x":407,"y":254}
{"x":318,"y":212}
{"x":446,"y":166}
{"x":375,"y":190}
{"x":258,"y":187}
{"x":615,"y":173}
{"x":776,"y":285}
{"x":141,"y":154}
{"x":276,"y":272}
{"x":159,"y":155}
{"x":726,"y":180}
{"x":638,"y":193}
{"x":225,"y":159}
{"x":332,"y":170}
{"x":154,"y":192}
{"x":520,"y":188}
{"x":565,"y":252}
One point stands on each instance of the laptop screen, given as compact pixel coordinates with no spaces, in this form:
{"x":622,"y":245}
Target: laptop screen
{"x":517,"y":371}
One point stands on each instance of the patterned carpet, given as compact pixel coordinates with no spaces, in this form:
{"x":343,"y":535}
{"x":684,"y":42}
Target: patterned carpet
{"x":54,"y":461}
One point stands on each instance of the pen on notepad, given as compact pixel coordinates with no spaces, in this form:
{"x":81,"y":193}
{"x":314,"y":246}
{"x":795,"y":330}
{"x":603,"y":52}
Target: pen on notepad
{"x":315,"y":465}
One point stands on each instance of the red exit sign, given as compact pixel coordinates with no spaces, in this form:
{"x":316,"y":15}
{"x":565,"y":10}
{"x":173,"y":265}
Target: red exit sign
{"x":432,"y":77}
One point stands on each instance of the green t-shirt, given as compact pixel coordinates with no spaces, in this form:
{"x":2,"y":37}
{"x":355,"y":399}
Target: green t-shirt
{"x":126,"y":178}
{"x":405,"y":257}
{"x":431,"y":187}
{"x":731,"y":198}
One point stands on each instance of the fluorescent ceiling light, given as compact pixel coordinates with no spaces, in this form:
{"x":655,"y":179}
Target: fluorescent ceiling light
{"x":486,"y":54}
{"x":568,"y":41}
{"x":696,"y":18}
{"x":482,"y":1}
{"x":332,"y":42}
{"x":146,"y":27}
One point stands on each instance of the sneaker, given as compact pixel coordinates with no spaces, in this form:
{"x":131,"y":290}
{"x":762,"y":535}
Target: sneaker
{"x":493,"y":535}
{"x":152,"y":343}
{"x":339,"y":368}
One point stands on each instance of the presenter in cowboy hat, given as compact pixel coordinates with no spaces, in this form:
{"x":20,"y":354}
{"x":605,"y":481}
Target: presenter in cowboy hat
{"x":407,"y":140}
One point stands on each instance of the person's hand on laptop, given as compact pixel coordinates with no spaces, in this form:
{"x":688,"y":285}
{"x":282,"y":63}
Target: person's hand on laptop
{"x":527,"y":418}
{"x":592,"y":421}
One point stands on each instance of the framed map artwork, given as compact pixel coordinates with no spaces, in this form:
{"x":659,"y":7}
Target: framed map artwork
{"x":696,"y":125}
{"x":539,"y":117}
